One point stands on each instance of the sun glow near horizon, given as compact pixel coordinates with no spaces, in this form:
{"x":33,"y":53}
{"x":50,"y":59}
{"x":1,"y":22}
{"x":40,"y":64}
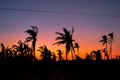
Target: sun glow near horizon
{"x":87,"y":43}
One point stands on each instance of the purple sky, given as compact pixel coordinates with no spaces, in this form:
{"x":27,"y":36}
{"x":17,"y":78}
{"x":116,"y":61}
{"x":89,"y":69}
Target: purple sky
{"x":88,"y":28}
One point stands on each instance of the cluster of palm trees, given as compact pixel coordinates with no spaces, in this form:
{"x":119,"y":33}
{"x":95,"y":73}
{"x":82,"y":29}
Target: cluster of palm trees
{"x":65,"y":38}
{"x":105,"y":41}
{"x":22,"y":50}
{"x":46,"y":54}
{"x":17,"y":53}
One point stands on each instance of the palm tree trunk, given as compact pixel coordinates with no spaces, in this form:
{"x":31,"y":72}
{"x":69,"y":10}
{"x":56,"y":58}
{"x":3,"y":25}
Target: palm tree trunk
{"x":110,"y":51}
{"x":72,"y":49}
{"x":107,"y":52}
{"x":33,"y":44}
{"x":66,"y":53}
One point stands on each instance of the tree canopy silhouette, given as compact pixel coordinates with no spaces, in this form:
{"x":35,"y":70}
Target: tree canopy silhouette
{"x":32,"y":37}
{"x":76,"y":45}
{"x":97,"y":55}
{"x":45,"y":53}
{"x":110,"y":40}
{"x":66,"y":38}
{"x":104,"y":41}
{"x":19,"y":47}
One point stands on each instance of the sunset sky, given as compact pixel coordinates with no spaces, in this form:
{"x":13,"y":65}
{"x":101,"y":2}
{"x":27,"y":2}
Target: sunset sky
{"x":94,"y":19}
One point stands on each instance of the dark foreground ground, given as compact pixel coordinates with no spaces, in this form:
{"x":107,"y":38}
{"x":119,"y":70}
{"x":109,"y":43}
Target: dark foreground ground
{"x":70,"y":70}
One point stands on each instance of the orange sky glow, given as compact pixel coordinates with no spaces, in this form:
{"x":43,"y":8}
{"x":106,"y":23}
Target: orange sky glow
{"x":86,"y":45}
{"x":93,"y":20}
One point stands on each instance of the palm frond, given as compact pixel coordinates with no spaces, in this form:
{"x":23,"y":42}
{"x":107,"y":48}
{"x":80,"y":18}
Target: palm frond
{"x":60,"y":42}
{"x":30,"y":32}
{"x":28,"y":39}
{"x":111,"y":37}
{"x":66,"y":31}
{"x":20,"y":43}
{"x":14,"y":46}
{"x":101,"y":40}
{"x":35,"y":29}
{"x":111,"y":34}
{"x":61,"y":34}
{"x":104,"y":37}
{"x":60,"y":38}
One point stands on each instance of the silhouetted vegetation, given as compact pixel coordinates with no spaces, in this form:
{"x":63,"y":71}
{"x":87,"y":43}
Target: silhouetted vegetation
{"x":66,"y":38}
{"x":45,"y":53}
{"x":108,"y":40}
{"x":21,"y":56}
{"x":105,"y":42}
{"x":60,"y":55}
{"x":32,"y":37}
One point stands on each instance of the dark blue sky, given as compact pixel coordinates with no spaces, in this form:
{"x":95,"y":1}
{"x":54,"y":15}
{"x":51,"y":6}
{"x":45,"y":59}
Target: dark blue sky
{"x":88,"y":28}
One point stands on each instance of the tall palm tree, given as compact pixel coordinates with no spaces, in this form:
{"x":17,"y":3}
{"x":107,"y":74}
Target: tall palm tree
{"x":32,"y":37}
{"x":66,"y":38}
{"x":110,"y":39}
{"x":104,"y":40}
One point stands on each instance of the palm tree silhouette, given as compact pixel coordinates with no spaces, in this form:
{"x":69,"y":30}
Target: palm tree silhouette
{"x":66,"y":38}
{"x":110,"y":40}
{"x":32,"y":37}
{"x":105,"y":53}
{"x":76,"y":45}
{"x":2,"y":53}
{"x":60,"y":54}
{"x":27,"y":50}
{"x":105,"y":42}
{"x":19,"y":47}
{"x":45,"y":53}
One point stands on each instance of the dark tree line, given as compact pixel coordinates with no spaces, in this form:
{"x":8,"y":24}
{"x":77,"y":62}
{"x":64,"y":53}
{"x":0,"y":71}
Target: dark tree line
{"x":23,"y":53}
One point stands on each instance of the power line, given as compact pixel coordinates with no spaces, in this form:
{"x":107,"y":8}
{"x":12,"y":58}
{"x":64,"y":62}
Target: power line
{"x":57,"y":12}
